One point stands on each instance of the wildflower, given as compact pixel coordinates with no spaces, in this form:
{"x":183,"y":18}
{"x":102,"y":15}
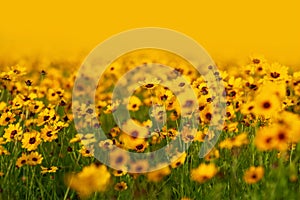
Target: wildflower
{"x":34,"y":158}
{"x":3,"y":151}
{"x":21,"y":160}
{"x":6,"y":118}
{"x":86,"y":152}
{"x":179,"y":161}
{"x":106,"y":144}
{"x":212,"y":155}
{"x":203,"y":172}
{"x":93,"y":178}
{"x":277,"y":72}
{"x":253,"y":174}
{"x":36,"y":106}
{"x":87,"y":139}
{"x":49,"y":133}
{"x":134,"y":103}
{"x":158,"y":113}
{"x":266,"y":105}
{"x":115,"y":131}
{"x":158,"y":175}
{"x":31,"y":140}
{"x":237,"y":141}
{"x":118,"y":159}
{"x":273,"y":137}
{"x":13,"y":131}
{"x":77,"y":138}
{"x":149,"y":83}
{"x":51,"y":169}
{"x":139,"y":166}
{"x":120,"y":172}
{"x":46,"y":116}
{"x":121,"y":186}
{"x":2,"y":105}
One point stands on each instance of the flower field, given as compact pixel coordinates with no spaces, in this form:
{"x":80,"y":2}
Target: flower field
{"x":46,"y":152}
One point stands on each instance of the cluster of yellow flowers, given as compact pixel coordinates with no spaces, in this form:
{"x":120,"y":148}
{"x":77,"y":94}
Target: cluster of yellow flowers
{"x":35,"y":109}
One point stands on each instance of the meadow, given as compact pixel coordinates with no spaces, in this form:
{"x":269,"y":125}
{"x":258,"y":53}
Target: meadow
{"x":44,"y":156}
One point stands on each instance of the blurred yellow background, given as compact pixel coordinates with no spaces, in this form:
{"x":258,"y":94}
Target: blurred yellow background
{"x":230,"y":31}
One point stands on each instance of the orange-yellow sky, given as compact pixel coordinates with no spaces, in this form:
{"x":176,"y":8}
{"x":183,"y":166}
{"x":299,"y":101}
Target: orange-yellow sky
{"x":229,"y":30}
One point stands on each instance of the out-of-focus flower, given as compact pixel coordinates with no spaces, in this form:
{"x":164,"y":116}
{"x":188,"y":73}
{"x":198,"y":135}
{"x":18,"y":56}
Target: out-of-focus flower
{"x":253,"y":174}
{"x":93,"y":178}
{"x":203,"y":172}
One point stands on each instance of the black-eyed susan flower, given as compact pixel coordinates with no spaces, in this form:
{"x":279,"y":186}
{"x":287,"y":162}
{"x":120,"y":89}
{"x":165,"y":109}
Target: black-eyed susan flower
{"x":13,"y":131}
{"x":120,"y":186}
{"x":134,"y":103}
{"x":120,"y":172}
{"x":49,"y":133}
{"x":7,"y":118}
{"x":86,"y":151}
{"x":31,"y":140}
{"x":22,"y":160}
{"x":178,"y":161}
{"x":203,"y":172}
{"x":149,"y":83}
{"x":266,"y":105}
{"x":36,"y":106}
{"x":253,"y":174}
{"x":277,"y":72}
{"x":34,"y":158}
{"x":46,"y":115}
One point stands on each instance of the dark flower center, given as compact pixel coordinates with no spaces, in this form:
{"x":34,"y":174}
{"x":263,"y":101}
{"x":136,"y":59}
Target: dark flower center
{"x":266,"y":105}
{"x":275,"y":75}
{"x":32,"y":140}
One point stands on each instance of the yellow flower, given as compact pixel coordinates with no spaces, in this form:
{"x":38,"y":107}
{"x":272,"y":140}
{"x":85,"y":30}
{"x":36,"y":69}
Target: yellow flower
{"x":236,"y":141}
{"x":86,"y":152}
{"x":277,"y":72}
{"x":139,"y":166}
{"x":158,"y":175}
{"x":34,"y":158}
{"x":2,"y":105}
{"x":3,"y":151}
{"x":93,"y":178}
{"x":49,"y":133}
{"x":266,"y":104}
{"x":121,"y":186}
{"x":51,"y":169}
{"x":179,"y":161}
{"x":21,"y":160}
{"x":6,"y":118}
{"x":134,"y":103}
{"x":12,"y":132}
{"x":203,"y":172}
{"x":253,"y":174}
{"x":212,"y":155}
{"x":149,"y":83}
{"x":31,"y":140}
{"x":275,"y":136}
